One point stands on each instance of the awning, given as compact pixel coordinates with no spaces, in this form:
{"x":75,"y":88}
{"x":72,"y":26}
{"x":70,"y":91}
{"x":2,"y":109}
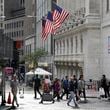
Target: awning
{"x":43,"y":64}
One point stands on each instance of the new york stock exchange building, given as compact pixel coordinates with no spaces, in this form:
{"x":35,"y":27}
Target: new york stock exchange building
{"x":77,"y":51}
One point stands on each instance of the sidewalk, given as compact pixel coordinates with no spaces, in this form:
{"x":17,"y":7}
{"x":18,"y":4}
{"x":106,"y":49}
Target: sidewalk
{"x":4,"y":107}
{"x":29,"y":103}
{"x":28,"y":92}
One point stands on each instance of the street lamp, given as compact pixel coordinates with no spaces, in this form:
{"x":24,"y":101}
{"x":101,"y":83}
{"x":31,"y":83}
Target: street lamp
{"x":2,"y":66}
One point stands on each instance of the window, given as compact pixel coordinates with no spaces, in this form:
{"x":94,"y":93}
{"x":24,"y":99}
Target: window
{"x":76,"y":41}
{"x":72,"y":45}
{"x":22,"y":2}
{"x":81,"y":41}
{"x":107,"y":8}
{"x":1,"y":7}
{"x":67,"y":46}
{"x":64,"y":46}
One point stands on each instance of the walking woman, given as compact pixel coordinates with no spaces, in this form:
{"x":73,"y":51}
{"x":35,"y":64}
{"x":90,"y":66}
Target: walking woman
{"x":56,"y":89}
{"x":14,"y":85}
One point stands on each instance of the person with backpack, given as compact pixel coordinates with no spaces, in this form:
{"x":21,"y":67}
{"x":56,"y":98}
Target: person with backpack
{"x":65,"y":86}
{"x":46,"y":87}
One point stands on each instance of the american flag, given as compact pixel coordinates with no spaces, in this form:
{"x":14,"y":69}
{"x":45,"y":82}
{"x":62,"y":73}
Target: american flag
{"x":59,"y":16}
{"x":49,"y":23}
{"x":47,"y":26}
{"x":44,"y":35}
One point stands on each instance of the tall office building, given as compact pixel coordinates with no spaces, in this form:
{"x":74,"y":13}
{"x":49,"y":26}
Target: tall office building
{"x":6,"y":43}
{"x":30,"y":26}
{"x":14,"y":24}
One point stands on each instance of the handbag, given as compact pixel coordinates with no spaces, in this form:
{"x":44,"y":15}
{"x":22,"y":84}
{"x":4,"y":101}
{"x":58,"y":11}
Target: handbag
{"x":101,"y":91}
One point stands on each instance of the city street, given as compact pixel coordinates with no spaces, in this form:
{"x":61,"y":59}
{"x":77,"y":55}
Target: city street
{"x":29,"y":103}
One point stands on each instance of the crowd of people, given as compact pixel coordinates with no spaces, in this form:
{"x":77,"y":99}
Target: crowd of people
{"x":71,"y":87}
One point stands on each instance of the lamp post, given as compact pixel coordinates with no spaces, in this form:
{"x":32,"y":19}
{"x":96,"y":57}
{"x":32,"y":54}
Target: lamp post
{"x":3,"y":64}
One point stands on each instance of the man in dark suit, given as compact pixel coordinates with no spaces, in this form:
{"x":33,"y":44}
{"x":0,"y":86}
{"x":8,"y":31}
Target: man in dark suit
{"x":37,"y":84}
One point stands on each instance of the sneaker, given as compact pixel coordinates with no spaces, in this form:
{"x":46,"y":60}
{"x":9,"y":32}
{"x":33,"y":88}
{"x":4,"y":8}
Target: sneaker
{"x":17,"y":105}
{"x":13,"y":107}
{"x":53,"y":101}
{"x":76,"y":106}
{"x":68,"y":104}
{"x":40,"y":102}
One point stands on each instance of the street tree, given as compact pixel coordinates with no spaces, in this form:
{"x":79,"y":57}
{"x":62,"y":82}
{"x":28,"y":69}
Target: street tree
{"x":33,"y":58}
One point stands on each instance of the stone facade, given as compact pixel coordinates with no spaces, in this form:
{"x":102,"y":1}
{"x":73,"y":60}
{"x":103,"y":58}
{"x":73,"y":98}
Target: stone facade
{"x":105,"y":37}
{"x":77,"y":43}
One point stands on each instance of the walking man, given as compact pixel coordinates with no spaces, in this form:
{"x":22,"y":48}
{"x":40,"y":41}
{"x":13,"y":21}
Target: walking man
{"x":72,"y":90}
{"x":36,"y":85}
{"x":81,"y":87}
{"x":65,"y":87}
{"x":105,"y":85}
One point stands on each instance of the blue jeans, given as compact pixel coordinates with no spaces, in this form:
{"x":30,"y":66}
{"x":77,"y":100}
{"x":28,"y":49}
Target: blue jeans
{"x":72,"y":96}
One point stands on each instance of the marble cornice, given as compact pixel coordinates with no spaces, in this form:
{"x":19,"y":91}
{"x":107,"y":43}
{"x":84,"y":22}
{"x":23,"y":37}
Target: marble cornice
{"x":78,"y":29}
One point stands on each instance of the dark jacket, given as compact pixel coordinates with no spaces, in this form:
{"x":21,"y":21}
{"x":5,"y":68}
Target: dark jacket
{"x":37,"y":83}
{"x":104,"y":82}
{"x":65,"y":84}
{"x":72,"y":86}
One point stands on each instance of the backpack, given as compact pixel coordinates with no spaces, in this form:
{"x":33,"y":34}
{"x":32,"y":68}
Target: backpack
{"x":46,"y":88}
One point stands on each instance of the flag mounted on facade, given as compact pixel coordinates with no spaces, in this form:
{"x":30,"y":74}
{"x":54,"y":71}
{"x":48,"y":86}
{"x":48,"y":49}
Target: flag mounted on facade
{"x":44,"y":34}
{"x":59,"y":16}
{"x":47,"y":26}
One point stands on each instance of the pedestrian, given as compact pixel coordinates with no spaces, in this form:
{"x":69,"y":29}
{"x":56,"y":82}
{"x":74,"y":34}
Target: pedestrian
{"x":14,"y":86}
{"x":56,"y":89}
{"x":76,"y":86}
{"x":105,"y":85}
{"x":65,"y":86}
{"x":72,"y":90}
{"x":46,"y":87}
{"x":81,"y":87}
{"x":36,"y":85}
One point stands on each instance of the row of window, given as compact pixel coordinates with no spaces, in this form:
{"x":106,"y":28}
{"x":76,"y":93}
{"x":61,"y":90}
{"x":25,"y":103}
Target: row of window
{"x":12,"y":25}
{"x":15,"y":34}
{"x":28,"y":49}
{"x":69,"y":46}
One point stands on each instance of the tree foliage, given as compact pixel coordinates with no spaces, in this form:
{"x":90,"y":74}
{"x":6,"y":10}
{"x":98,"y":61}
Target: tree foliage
{"x":35,"y":56}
